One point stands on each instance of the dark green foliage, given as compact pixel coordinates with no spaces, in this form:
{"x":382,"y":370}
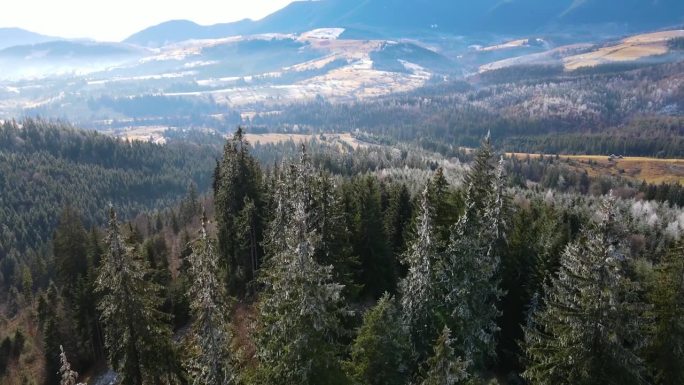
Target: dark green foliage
{"x":591,"y":313}
{"x":666,"y":352}
{"x":379,"y":269}
{"x":239,"y":202}
{"x":381,"y":353}
{"x":5,"y":354}
{"x":538,"y":235}
{"x":137,"y":336}
{"x":444,"y":367}
{"x":69,"y":251}
{"x":341,"y":221}
{"x":335,"y":248}
{"x":44,"y":166}
{"x":55,"y":328}
{"x":398,"y":218}
{"x":447,"y":207}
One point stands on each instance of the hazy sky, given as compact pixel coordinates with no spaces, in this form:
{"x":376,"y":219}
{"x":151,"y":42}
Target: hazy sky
{"x":115,"y":20}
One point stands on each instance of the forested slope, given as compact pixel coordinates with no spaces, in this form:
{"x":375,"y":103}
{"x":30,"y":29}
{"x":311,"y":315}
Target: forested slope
{"x":631,"y":109}
{"x":45,"y":166}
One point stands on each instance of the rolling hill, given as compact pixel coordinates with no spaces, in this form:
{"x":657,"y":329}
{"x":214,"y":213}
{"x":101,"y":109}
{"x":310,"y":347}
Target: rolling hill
{"x":64,"y":57}
{"x":16,"y":36}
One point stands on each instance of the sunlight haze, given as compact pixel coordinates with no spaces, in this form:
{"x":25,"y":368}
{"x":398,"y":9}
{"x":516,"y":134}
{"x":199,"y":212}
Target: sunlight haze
{"x":116,"y":20}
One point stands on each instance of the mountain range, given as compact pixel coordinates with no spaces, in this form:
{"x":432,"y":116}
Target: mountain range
{"x":415,"y":18}
{"x":401,"y":18}
{"x":339,"y":50}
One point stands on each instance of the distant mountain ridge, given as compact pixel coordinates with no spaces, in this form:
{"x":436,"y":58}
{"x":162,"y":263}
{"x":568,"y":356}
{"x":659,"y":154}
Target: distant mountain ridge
{"x":16,"y":36}
{"x":401,"y":17}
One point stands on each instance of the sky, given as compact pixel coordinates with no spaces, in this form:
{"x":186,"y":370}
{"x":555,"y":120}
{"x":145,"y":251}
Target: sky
{"x":115,"y":20}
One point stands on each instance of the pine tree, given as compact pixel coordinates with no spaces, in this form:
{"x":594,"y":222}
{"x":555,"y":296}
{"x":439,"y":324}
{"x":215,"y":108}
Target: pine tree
{"x":211,"y":361}
{"x":137,"y":337}
{"x":589,"y":331}
{"x":299,"y":309}
{"x":381,"y":353}
{"x":444,"y":367}
{"x":68,"y":376}
{"x":419,"y":299}
{"x":667,"y":349}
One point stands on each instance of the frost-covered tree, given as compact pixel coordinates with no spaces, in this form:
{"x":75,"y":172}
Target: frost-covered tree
{"x":326,"y":216}
{"x":419,"y":301}
{"x":381,"y":353}
{"x":137,"y":337}
{"x":300,"y":308}
{"x":590,"y":328}
{"x":68,"y":376}
{"x":444,"y":367}
{"x":210,"y":361}
{"x":469,"y":272}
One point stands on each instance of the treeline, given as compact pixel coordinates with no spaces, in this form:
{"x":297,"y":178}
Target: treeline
{"x":661,"y":137}
{"x":357,"y":280}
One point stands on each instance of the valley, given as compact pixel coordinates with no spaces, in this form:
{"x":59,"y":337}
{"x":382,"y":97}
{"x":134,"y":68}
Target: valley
{"x":342,"y":192}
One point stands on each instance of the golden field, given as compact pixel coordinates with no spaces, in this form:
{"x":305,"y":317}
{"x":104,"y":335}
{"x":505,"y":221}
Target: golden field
{"x":629,"y":49}
{"x":651,"y":170}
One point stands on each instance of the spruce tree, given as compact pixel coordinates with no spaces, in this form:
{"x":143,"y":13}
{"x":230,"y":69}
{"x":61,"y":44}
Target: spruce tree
{"x":446,"y":207}
{"x":335,"y":247}
{"x":70,"y":251}
{"x":379,"y":273}
{"x":51,"y":338}
{"x":419,"y":300}
{"x":137,"y":337}
{"x":300,"y":307}
{"x":469,"y":271}
{"x":590,"y":328}
{"x":210,"y":361}
{"x":326,"y":214}
{"x":444,"y":367}
{"x":398,"y":217}
{"x":381,"y":353}
{"x":239,"y":178}
{"x":666,"y":352}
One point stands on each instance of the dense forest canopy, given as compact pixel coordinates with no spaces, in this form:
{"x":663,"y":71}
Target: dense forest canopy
{"x":46,"y":166}
{"x":294,"y":263}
